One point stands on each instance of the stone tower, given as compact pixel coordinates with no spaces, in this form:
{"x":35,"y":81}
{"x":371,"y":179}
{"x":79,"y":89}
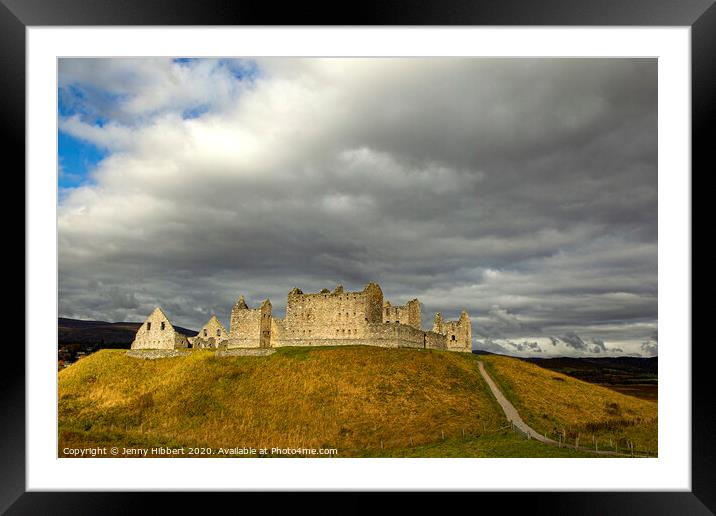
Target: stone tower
{"x":458,"y":333}
{"x":408,"y":314}
{"x":438,"y":324}
{"x":250,"y":328}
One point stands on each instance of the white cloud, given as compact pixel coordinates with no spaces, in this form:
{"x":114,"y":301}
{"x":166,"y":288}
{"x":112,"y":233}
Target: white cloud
{"x":500,"y":186}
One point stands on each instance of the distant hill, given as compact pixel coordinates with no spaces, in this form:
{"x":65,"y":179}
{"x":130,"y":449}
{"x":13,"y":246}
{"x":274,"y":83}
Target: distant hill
{"x":603,"y":369}
{"x":636,"y":376}
{"x":101,"y":333}
{"x":645,"y":364}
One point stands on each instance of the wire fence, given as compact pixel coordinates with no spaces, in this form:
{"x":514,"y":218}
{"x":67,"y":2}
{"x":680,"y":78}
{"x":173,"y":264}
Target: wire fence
{"x":592,"y":443}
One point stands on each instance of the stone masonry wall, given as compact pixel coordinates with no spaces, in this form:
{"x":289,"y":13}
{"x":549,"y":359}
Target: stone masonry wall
{"x":250,"y":328}
{"x":408,"y":314}
{"x":337,"y":315}
{"x":156,"y":332}
{"x":459,"y":333}
{"x":389,"y":335}
{"x":211,"y":335}
{"x":326,"y":318}
{"x":435,"y":340}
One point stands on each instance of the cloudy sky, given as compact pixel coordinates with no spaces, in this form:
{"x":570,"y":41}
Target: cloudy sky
{"x":523,"y":190}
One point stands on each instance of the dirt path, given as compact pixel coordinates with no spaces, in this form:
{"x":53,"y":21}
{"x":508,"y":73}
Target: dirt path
{"x":510,"y":411}
{"x":514,"y":417}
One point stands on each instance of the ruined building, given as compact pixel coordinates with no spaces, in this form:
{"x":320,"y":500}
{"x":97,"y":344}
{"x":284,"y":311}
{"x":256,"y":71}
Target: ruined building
{"x":158,"y":333}
{"x":322,"y":319}
{"x":211,"y":335}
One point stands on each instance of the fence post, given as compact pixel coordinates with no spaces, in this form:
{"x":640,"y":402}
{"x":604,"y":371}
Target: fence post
{"x":381,"y":444}
{"x":442,"y":433}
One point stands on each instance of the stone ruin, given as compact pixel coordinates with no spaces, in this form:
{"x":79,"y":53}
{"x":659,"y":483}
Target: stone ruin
{"x":337,"y":318}
{"x":158,"y":333}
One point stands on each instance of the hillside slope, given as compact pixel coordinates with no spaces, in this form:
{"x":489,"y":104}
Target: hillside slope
{"x":635,"y":376}
{"x":554,"y":403}
{"x":350,"y":398}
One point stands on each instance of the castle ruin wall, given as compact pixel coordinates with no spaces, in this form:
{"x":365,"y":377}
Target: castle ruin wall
{"x":211,"y":336}
{"x":408,"y":314}
{"x":326,"y":318}
{"x":156,"y":332}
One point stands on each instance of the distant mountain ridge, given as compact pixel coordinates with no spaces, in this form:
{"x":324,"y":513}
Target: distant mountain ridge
{"x":636,"y":376}
{"x":102,"y":333}
{"x":647,"y":365}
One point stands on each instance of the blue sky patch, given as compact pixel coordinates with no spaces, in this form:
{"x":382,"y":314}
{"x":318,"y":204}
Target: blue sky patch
{"x":77,"y":159}
{"x":195,"y":112}
{"x":242,"y":69}
{"x":98,"y":106}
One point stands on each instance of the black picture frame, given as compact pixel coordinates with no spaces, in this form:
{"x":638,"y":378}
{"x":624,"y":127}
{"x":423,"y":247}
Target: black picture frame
{"x":700,"y":15}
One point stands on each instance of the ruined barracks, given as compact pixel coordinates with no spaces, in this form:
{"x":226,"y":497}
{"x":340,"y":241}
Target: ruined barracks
{"x":323,"y":319}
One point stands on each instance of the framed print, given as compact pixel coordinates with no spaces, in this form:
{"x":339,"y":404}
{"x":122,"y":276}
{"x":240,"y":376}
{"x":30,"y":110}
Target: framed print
{"x":417,"y":250}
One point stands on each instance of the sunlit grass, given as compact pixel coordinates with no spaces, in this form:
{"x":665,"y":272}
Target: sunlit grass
{"x":554,"y":403}
{"x":362,"y":401}
{"x":349,"y":398}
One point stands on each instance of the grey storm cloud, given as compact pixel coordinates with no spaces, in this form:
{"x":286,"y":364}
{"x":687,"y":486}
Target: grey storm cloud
{"x":598,"y":346}
{"x":522,"y":190}
{"x":650,"y":348}
{"x":574,"y":341}
{"x":492,"y":346}
{"x":527,"y":346}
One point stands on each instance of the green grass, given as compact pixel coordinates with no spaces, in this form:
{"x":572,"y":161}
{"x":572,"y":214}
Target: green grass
{"x":494,"y":445}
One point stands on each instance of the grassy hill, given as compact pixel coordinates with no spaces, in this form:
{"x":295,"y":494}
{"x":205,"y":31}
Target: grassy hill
{"x":363,"y":401}
{"x":552,"y":403}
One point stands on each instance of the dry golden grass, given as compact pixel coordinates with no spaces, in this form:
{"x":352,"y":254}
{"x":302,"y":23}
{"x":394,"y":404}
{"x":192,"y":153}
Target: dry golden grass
{"x":552,"y":402}
{"x":349,"y":398}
